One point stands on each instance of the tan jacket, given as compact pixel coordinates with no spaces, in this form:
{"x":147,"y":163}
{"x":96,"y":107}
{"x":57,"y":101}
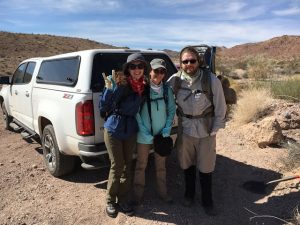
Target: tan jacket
{"x":196,"y":103}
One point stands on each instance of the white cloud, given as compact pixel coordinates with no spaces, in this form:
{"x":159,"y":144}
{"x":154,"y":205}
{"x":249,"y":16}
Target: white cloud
{"x":287,"y":12}
{"x":176,"y":34}
{"x":179,"y":2}
{"x":39,"y":6}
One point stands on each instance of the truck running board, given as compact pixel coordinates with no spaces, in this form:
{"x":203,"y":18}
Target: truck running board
{"x":26,"y":135}
{"x":15,"y":126}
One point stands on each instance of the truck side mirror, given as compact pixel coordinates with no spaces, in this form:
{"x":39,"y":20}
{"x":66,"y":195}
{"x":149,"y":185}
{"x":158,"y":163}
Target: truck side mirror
{"x":5,"y":80}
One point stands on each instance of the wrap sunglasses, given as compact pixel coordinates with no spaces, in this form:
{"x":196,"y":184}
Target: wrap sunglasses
{"x":191,"y":61}
{"x":136,"y":66}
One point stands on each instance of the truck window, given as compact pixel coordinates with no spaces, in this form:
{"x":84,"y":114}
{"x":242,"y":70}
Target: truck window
{"x":59,"y":71}
{"x":29,"y":72}
{"x":19,"y":74}
{"x":106,"y":62}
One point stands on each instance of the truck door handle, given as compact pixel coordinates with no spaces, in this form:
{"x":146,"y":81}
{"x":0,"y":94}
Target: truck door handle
{"x":27,"y":94}
{"x":16,"y":92}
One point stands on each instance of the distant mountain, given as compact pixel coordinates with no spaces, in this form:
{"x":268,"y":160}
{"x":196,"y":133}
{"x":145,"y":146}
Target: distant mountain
{"x":15,"y":47}
{"x":283,"y":47}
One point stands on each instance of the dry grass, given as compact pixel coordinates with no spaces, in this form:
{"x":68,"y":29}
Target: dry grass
{"x":251,"y":104}
{"x":292,"y":161}
{"x":296,"y":217}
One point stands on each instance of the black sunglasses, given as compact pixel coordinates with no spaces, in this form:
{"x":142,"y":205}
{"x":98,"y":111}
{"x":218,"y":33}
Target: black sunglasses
{"x":191,"y":61}
{"x":160,"y":71}
{"x":134,"y":66}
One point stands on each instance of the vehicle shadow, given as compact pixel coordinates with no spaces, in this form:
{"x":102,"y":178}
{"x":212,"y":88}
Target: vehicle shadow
{"x":97,"y":177}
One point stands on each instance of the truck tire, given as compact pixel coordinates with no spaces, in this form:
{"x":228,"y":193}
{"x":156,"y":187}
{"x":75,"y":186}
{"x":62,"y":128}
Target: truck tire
{"x":56,"y":163}
{"x":7,"y":118}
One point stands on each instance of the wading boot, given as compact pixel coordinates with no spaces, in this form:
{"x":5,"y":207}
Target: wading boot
{"x":190,"y":182}
{"x":206,"y":194}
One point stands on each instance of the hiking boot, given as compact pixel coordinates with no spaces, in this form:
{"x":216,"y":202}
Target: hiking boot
{"x":136,"y":200}
{"x":187,"y":202}
{"x":167,"y":199}
{"x":126,"y":208}
{"x":111,"y":210}
{"x":210,"y":210}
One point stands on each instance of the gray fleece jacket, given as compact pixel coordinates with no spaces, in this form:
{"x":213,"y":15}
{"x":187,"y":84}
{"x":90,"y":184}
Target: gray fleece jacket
{"x":196,"y":103}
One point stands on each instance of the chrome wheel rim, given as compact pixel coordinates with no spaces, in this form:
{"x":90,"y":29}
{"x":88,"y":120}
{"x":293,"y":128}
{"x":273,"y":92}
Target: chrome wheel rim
{"x":49,"y":148}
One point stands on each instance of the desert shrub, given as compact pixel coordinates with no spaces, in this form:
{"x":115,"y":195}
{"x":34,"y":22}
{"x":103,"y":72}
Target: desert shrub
{"x":293,"y":65}
{"x":259,"y":68}
{"x":286,"y":89}
{"x":252,"y":102}
{"x":242,"y":64}
{"x":292,"y":161}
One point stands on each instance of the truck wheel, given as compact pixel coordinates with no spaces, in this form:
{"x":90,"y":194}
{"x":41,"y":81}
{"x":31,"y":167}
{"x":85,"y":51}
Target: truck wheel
{"x":57,"y":163}
{"x":7,"y":119}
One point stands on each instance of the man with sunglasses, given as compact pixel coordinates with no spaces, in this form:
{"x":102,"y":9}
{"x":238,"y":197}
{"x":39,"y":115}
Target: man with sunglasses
{"x":200,"y":116}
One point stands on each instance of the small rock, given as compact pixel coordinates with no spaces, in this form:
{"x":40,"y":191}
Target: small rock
{"x":287,"y":115}
{"x":1,"y":164}
{"x":31,"y":175}
{"x":12,"y":161}
{"x":34,"y":166}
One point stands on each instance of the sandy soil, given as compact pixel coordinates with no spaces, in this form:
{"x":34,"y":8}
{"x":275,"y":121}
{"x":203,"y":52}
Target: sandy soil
{"x":30,"y":195}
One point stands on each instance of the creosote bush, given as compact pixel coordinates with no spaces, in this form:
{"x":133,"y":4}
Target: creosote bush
{"x":251,"y":103}
{"x":259,"y":68}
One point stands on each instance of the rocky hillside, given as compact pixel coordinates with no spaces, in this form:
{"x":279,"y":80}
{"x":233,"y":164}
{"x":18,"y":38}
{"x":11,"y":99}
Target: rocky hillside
{"x":283,"y":47}
{"x":16,"y":47}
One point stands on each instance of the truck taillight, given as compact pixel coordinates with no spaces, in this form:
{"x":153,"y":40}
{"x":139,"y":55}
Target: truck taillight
{"x":85,"y":123}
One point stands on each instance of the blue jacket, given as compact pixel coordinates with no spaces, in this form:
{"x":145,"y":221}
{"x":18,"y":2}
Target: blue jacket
{"x":162,"y":117}
{"x":120,"y":105}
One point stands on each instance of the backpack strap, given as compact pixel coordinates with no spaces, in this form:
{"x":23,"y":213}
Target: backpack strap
{"x":148,"y":100}
{"x":177,"y":83}
{"x":206,"y":88}
{"x":165,"y":90}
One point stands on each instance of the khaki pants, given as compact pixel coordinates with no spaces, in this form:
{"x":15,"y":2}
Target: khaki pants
{"x":139,"y":175}
{"x":197,"y":151}
{"x":120,"y":154}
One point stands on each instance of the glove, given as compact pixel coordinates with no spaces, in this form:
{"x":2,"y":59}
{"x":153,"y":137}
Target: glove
{"x":166,"y":131}
{"x":213,"y":133}
{"x":109,"y":80}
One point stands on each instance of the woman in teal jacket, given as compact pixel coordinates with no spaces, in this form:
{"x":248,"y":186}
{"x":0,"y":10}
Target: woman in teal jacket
{"x":162,"y":114}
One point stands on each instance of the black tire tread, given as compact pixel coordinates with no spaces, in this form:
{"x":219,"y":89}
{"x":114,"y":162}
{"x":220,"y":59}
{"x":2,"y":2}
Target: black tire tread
{"x":64,"y":164}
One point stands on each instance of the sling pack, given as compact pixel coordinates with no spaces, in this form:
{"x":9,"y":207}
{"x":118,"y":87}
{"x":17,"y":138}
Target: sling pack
{"x":205,"y":89}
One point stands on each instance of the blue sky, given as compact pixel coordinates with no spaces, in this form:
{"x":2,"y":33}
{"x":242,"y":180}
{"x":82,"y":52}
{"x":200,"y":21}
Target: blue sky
{"x":157,"y":24}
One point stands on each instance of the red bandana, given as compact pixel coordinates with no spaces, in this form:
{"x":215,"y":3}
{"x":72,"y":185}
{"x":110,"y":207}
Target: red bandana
{"x":137,"y":85}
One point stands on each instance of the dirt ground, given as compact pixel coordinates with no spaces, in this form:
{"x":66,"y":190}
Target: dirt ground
{"x":30,"y":195}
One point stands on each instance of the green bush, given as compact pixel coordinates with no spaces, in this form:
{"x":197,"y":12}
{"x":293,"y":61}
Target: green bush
{"x":286,"y":89}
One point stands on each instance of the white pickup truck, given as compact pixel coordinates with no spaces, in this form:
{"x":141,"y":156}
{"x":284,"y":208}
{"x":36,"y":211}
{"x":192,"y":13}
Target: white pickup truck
{"x":55,"y":100}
